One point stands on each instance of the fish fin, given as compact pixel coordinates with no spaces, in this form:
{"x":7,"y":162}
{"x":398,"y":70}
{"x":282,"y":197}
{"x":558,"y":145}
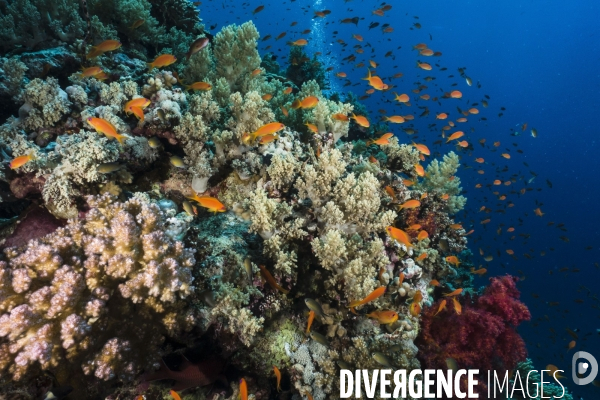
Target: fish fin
{"x":151,"y":66}
{"x":121,"y":139}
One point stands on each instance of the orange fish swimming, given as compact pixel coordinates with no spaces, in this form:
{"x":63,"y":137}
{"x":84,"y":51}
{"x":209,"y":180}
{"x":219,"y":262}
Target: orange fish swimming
{"x":141,"y":102}
{"x":162,"y":61}
{"x":174,"y":395}
{"x":21,"y":160}
{"x":243,"y":389}
{"x":422,"y":256}
{"x":480,"y":271}
{"x":456,"y":94}
{"x":211,"y":203}
{"x":419,"y":170}
{"x":375,"y":81}
{"x":267,"y":129}
{"x":361,"y":120}
{"x":384,"y":140}
{"x":311,"y":318}
{"x":415,"y":309}
{"x":340,"y":117}
{"x":422,"y":235}
{"x":454,"y":293}
{"x":269,"y":278}
{"x":422,"y":149}
{"x":441,"y":307}
{"x":398,"y":235}
{"x":299,"y":42}
{"x":107,"y":45}
{"x":538,"y":212}
{"x":410,"y":204}
{"x":457,"y":306}
{"x":453,"y":260}
{"x":375,"y":294}
{"x":424,"y":66}
{"x":105,"y":127}
{"x":395,"y":119}
{"x":455,"y":136}
{"x":402,"y":98}
{"x":384,"y":317}
{"x":201,"y":86}
{"x":91,"y":71}
{"x":309,"y":102}
{"x":278,"y":375}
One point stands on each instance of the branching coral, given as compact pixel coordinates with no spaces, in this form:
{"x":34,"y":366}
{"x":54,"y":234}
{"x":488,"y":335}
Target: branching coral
{"x":438,"y":181}
{"x":63,"y":296}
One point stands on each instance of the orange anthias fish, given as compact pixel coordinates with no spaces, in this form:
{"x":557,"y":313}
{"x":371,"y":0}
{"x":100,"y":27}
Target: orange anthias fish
{"x":422,"y":256}
{"x":138,"y":112}
{"x":140,"y":102}
{"x":162,"y":61}
{"x":441,"y":307}
{"x":419,"y":170}
{"x":299,"y":42}
{"x":361,"y":120}
{"x":538,"y":212}
{"x":455,"y":136}
{"x":453,"y":260}
{"x":398,"y":235}
{"x":311,"y":318}
{"x":174,"y":395}
{"x":107,"y":45}
{"x":267,"y":129}
{"x":384,"y":317}
{"x":402,"y":98}
{"x":384,"y":140}
{"x":278,"y":375}
{"x":422,"y":149}
{"x":480,"y":271}
{"x":21,"y":160}
{"x":309,"y":102}
{"x":340,"y":117}
{"x":415,"y":309}
{"x":91,"y":71}
{"x":312,"y":127}
{"x":287,"y":90}
{"x":105,"y":127}
{"x":213,"y":204}
{"x":243,"y":389}
{"x":410,"y":204}
{"x":454,"y":293}
{"x":422,"y":235}
{"x":372,"y":296}
{"x":270,"y":280}
{"x":456,"y":94}
{"x":395,"y":119}
{"x":457,"y":306}
{"x":375,"y":82}
{"x":202,"y":86}
{"x":268,"y":138}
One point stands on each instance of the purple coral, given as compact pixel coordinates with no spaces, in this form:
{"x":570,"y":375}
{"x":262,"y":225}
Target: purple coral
{"x":63,"y":296}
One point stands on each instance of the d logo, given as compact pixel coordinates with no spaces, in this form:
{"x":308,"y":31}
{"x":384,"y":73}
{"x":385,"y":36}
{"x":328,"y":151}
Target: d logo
{"x":583,"y":367}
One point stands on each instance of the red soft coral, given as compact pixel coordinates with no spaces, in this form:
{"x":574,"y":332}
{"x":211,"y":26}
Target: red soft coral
{"x":483,"y":337}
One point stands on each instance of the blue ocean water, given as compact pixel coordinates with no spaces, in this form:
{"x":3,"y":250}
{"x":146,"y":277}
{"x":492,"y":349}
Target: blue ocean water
{"x":538,"y":60}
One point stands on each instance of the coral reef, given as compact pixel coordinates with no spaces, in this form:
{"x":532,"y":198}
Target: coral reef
{"x":109,"y":284}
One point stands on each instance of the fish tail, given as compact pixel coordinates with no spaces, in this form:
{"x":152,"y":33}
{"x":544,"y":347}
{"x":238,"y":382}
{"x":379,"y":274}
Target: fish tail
{"x":282,"y":290}
{"x":120,"y":139}
{"x":354,"y":304}
{"x":151,"y":66}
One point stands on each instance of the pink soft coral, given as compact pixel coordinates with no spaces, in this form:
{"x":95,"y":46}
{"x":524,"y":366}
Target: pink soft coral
{"x":482,"y":337}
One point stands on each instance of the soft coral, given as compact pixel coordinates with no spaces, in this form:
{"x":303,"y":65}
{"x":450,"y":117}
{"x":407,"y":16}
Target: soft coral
{"x":482,"y":337}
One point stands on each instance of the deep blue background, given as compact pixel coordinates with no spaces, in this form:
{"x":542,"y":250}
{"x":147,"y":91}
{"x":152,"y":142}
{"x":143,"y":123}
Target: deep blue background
{"x":540,"y":59}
